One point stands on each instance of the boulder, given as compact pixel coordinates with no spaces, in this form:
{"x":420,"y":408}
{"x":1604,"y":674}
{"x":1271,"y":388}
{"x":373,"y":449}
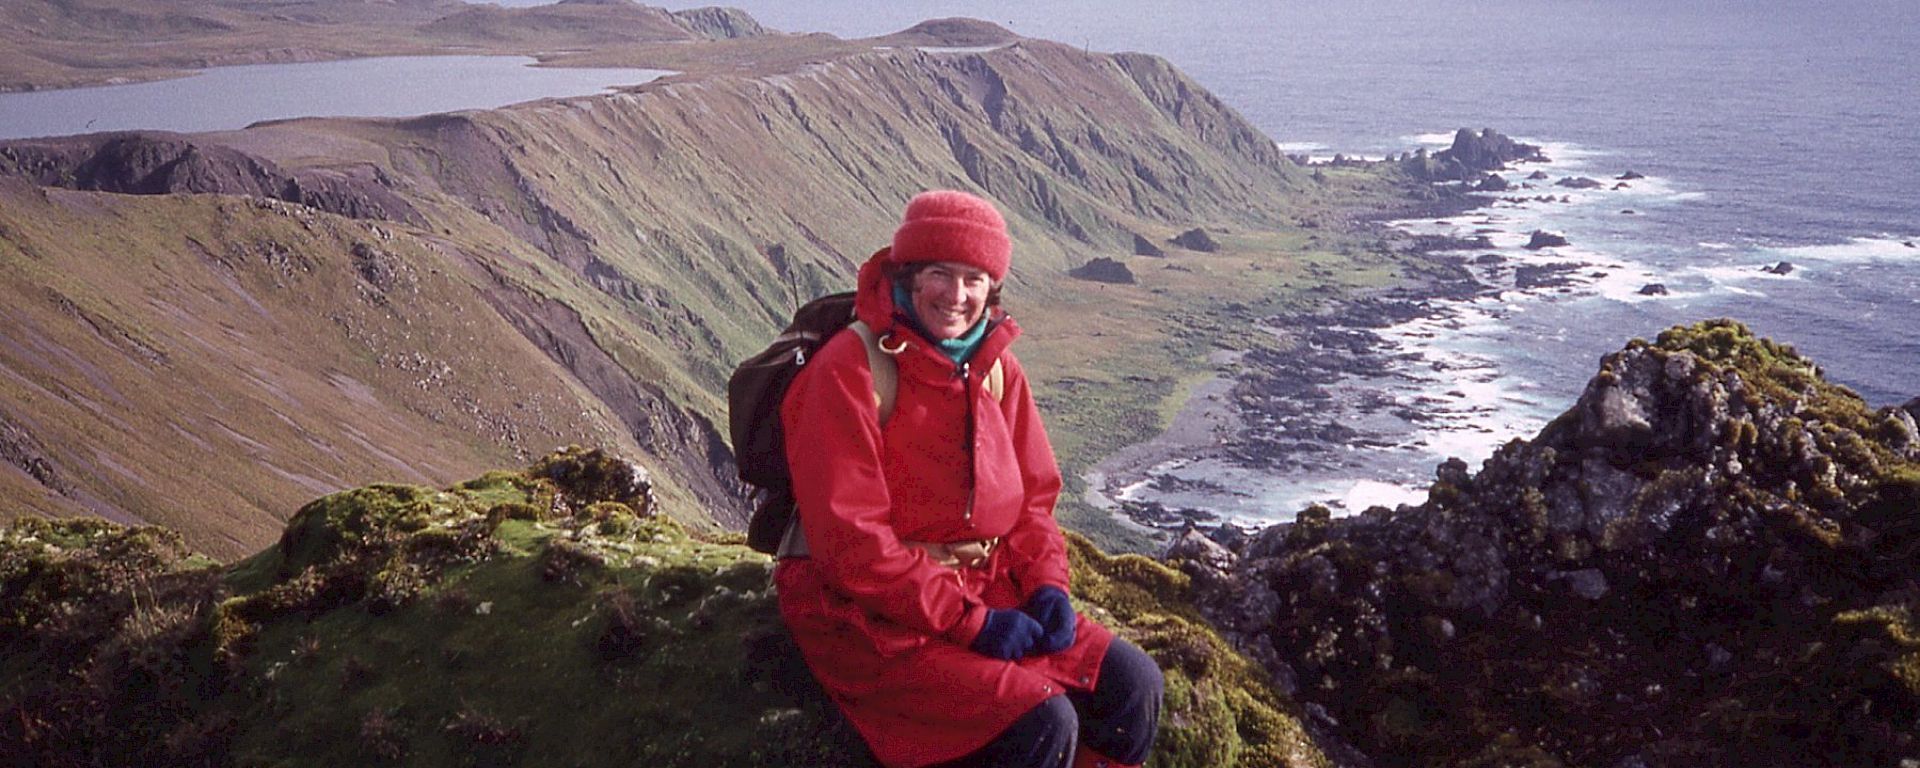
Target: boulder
{"x":1193,"y":545}
{"x":1653,"y":289}
{"x":1104,"y":270}
{"x":1489,"y":259}
{"x":1538,"y":176}
{"x":1492,"y":183}
{"x":1544,"y":239}
{"x":1781,"y":268}
{"x":1577,"y":182}
{"x":1629,"y":176}
{"x":1145,"y":247}
{"x":1531,"y":276}
{"x":1196,"y":239}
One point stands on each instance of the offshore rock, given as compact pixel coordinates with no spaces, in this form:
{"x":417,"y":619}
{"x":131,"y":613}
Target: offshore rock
{"x":1711,"y":556}
{"x":1578,"y":182}
{"x":1471,"y":156}
{"x":1544,"y":239}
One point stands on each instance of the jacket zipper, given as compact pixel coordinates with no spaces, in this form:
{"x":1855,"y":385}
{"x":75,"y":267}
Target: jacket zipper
{"x":966,"y":387}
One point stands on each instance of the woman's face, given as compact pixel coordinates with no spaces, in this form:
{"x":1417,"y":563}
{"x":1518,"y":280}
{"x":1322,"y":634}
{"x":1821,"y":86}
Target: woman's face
{"x":949,"y":297}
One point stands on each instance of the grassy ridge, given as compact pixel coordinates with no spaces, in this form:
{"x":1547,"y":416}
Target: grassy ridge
{"x":588,"y":270}
{"x":545,"y":617}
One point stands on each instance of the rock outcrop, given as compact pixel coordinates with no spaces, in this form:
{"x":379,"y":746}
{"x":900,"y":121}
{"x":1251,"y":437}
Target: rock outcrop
{"x":1541,"y":238}
{"x":1196,"y":239}
{"x":156,"y":163}
{"x":1144,"y":247}
{"x":1104,"y":270}
{"x":1711,"y":557}
{"x":1471,"y":156}
{"x":717,"y":23}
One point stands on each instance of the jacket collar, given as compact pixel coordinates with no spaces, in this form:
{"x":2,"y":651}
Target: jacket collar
{"x":873,"y":304}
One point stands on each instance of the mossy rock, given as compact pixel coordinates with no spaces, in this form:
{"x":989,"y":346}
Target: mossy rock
{"x":406,"y":625}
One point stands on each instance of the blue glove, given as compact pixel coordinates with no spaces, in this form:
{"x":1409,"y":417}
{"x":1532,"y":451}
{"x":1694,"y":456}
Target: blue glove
{"x":1008,"y":634}
{"x":1049,"y":606}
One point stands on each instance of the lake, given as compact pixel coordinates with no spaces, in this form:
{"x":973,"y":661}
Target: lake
{"x":225,"y":98}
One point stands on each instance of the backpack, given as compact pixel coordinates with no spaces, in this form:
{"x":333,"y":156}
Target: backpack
{"x":759,"y":386}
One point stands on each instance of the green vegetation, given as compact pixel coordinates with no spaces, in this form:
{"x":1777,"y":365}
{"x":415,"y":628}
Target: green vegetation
{"x":546,"y":617}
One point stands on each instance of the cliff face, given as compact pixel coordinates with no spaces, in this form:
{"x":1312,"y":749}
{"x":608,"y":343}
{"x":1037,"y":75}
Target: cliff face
{"x":424,"y":298}
{"x":1711,"y":559}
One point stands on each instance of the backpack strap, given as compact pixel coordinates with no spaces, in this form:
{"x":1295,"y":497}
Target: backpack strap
{"x":886,"y":373}
{"x":886,"y":390}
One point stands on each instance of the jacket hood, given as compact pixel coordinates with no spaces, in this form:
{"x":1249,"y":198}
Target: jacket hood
{"x":873,"y":304}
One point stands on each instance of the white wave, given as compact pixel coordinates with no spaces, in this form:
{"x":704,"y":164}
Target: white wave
{"x":1372,"y":493}
{"x":1856,"y":250}
{"x":1295,"y":147}
{"x":1430,"y":139}
{"x":1726,"y":274}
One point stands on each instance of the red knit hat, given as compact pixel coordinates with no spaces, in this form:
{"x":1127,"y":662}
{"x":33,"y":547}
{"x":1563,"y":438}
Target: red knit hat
{"x":946,"y":225}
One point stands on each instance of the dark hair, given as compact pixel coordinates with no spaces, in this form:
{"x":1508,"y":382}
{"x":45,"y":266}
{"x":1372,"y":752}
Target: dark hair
{"x":903,"y":275}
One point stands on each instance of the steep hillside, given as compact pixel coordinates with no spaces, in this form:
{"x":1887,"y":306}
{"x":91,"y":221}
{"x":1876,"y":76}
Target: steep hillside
{"x":596,"y":265}
{"x":200,"y":360}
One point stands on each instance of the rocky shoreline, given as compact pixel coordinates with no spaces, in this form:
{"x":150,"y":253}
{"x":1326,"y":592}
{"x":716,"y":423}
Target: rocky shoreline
{"x":1285,"y":411}
{"x":1268,"y":409}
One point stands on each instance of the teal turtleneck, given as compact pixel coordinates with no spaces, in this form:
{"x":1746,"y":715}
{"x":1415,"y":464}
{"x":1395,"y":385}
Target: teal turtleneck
{"x":960,"y":349}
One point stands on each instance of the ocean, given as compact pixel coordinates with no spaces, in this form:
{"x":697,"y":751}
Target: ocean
{"x":1760,"y":134}
{"x":1767,"y":131}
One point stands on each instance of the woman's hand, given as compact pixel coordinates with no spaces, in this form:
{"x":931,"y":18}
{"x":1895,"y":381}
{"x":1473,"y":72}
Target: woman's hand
{"x":1008,"y":634}
{"x":1050,"y":607}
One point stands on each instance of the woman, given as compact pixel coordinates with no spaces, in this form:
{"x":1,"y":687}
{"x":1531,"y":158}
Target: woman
{"x":932,"y":605}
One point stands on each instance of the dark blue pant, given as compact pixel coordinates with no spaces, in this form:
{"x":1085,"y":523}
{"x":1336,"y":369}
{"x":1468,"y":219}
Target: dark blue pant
{"x":1118,"y":719}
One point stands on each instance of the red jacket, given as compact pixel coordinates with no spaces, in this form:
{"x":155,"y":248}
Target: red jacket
{"x":883,"y":626}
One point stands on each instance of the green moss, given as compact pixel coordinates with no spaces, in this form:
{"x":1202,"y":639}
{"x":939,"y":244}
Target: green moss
{"x":405,"y":625}
{"x":1219,"y":708}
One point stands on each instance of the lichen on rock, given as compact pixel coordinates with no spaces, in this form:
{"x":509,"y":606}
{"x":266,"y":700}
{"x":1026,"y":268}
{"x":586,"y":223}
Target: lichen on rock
{"x":1710,"y":556}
